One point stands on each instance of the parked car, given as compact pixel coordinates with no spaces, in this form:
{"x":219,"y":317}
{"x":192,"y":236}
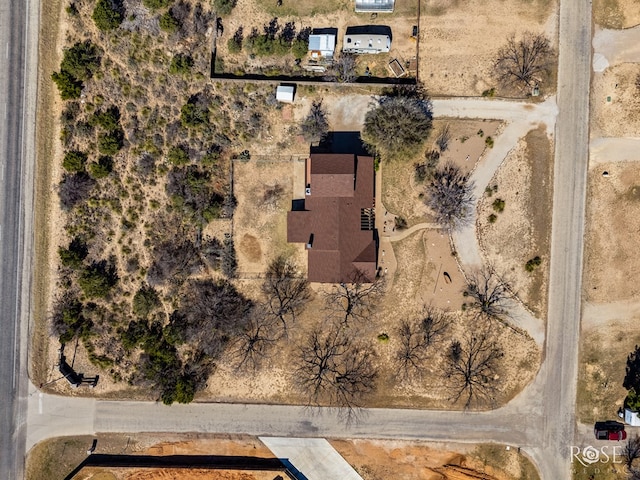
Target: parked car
{"x":609,"y":430}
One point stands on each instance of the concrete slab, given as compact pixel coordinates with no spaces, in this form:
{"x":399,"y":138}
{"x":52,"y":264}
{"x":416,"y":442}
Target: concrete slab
{"x":315,"y":458}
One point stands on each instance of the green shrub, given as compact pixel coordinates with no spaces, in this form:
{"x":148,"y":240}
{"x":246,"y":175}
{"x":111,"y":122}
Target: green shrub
{"x":223,"y":7}
{"x":68,"y":86}
{"x":74,"y":161}
{"x":178,"y":156}
{"x":169,"y":23}
{"x":81,"y":61}
{"x":102,"y":168}
{"x":74,"y":255}
{"x":110,"y":143}
{"x":98,"y":279}
{"x":181,"y":64}
{"x":489,"y":93}
{"x":145,"y":301}
{"x":498,"y":205}
{"x":383,"y":337}
{"x":156,"y":4}
{"x":532,"y":264}
{"x":299,"y":48}
{"x":192,"y":115}
{"x":488,"y":142}
{"x":233,"y":45}
{"x":108,"y":119}
{"x":492,"y":218}
{"x":107,"y":15}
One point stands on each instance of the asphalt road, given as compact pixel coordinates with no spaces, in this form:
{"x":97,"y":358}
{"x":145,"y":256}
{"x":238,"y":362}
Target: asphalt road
{"x":16,"y":142}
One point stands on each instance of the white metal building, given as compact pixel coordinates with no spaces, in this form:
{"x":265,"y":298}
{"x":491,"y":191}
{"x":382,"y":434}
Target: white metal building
{"x":285,"y":93}
{"x":375,"y":5}
{"x":322,"y":45}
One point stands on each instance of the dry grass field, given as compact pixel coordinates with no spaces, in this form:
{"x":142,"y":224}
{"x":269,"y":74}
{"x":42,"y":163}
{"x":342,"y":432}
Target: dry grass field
{"x":509,"y":239}
{"x":616,"y":13}
{"x":615,"y":103}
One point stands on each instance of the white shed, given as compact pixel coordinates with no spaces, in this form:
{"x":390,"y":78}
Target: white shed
{"x":322,"y":45}
{"x":285,"y":93}
{"x":631,"y":418}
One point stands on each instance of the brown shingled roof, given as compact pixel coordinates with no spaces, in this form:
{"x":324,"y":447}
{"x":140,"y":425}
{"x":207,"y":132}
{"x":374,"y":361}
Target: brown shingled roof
{"x":341,"y":187}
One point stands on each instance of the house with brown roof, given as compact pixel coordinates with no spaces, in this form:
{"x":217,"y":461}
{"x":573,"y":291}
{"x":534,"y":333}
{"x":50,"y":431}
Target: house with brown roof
{"x":336,"y":219}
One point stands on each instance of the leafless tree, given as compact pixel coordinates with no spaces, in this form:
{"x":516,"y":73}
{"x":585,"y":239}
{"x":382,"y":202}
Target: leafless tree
{"x":472,"y":366}
{"x":253,"y":343}
{"x":315,"y":127}
{"x":334,"y":369}
{"x":173,"y":261}
{"x":524,"y":63}
{"x":355,"y":300}
{"x":631,"y":452}
{"x":450,"y":196}
{"x":443,"y":138}
{"x":489,"y":294}
{"x":415,"y":338}
{"x":287,"y":291}
{"x":344,"y":68}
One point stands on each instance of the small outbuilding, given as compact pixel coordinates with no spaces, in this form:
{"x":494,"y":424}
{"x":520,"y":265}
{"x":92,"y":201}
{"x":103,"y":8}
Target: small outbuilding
{"x":375,"y":6}
{"x":285,"y":93}
{"x":322,"y":45}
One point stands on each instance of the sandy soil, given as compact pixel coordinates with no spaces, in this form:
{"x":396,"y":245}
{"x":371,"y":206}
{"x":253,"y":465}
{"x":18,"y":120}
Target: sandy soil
{"x":616,"y":13}
{"x":615,"y":102}
{"x":613,"y":220}
{"x":601,"y":370}
{"x":523,"y":230}
{"x":459,"y":40}
{"x":374,"y":460}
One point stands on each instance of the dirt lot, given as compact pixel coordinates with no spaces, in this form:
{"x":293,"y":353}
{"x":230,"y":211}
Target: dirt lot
{"x":459,"y":40}
{"x":315,"y":14}
{"x":523,"y":230}
{"x":616,"y":13}
{"x":374,"y":460}
{"x":613,"y":220}
{"x":603,"y":356}
{"x":400,"y":191}
{"x":615,"y":102}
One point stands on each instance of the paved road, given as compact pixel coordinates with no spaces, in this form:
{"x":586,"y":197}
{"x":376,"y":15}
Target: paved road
{"x":16,"y":140}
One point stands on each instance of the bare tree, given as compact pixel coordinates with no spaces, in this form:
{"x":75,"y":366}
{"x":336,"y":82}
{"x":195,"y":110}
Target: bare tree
{"x":253,"y":343}
{"x":355,"y":300}
{"x":524,"y":63}
{"x":450,"y":196}
{"x":443,"y":138}
{"x":631,"y":452}
{"x":489,"y":294}
{"x":286,"y":290}
{"x":344,"y":68}
{"x":74,"y":188}
{"x":415,"y":338}
{"x":315,"y":127}
{"x":334,"y":369}
{"x":472,"y":366}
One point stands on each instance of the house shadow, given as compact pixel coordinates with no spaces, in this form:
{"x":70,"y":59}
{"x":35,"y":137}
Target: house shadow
{"x":209,"y":462}
{"x":341,"y":142}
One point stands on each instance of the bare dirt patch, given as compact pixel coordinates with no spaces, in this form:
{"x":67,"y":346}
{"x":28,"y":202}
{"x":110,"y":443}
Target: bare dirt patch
{"x":603,"y":357}
{"x":615,"y":102}
{"x":613,"y":220}
{"x":459,"y":40}
{"x":616,"y":13}
{"x":522,"y":231}
{"x":380,"y":460}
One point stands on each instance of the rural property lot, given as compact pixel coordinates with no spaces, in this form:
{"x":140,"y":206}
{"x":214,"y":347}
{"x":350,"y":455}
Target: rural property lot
{"x":459,"y":40}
